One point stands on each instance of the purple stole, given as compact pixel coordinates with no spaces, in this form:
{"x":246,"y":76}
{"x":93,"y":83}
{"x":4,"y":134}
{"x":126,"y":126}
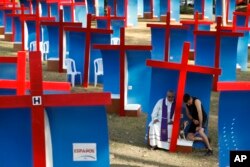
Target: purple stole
{"x":164,"y":119}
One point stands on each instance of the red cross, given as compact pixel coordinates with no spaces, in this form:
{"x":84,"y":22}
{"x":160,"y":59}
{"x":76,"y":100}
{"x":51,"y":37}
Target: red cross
{"x":21,"y":15}
{"x":122,"y":48}
{"x":20,"y":84}
{"x":61,"y":26}
{"x":246,"y":14}
{"x":37,"y":19}
{"x":109,"y":18}
{"x":219,"y":33}
{"x":72,"y":5}
{"x":183,"y":69}
{"x":168,"y":28}
{"x":88,"y":31}
{"x":196,"y":22}
{"x":43,"y":100}
{"x":9,"y":6}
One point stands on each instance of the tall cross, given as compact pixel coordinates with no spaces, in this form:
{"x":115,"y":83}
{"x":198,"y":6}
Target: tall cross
{"x":36,"y":18}
{"x":109,"y":18}
{"x":88,"y":31}
{"x":183,"y":69}
{"x":38,"y":101}
{"x":167,"y":28}
{"x":219,"y":33}
{"x":20,"y":15}
{"x":72,"y":5}
{"x":196,"y":22}
{"x":122,"y":48}
{"x":60,"y":24}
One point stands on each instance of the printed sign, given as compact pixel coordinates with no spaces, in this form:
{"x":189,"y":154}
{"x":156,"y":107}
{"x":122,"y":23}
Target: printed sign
{"x":84,"y":152}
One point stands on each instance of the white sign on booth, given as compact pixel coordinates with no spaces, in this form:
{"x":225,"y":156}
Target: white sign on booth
{"x":84,"y":152}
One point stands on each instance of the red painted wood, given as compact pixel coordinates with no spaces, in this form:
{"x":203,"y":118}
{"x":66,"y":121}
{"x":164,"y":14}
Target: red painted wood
{"x":233,"y":86}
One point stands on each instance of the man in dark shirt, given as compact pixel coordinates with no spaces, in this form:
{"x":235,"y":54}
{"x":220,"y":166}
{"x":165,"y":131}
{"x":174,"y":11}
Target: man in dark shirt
{"x":196,"y":113}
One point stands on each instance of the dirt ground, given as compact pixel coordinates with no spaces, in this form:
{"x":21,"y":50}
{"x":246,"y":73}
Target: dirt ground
{"x":126,"y":134}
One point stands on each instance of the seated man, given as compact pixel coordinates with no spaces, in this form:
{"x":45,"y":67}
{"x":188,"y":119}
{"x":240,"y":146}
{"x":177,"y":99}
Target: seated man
{"x":162,"y":115}
{"x":196,"y":113}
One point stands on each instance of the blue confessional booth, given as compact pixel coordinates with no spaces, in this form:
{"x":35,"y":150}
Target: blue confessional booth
{"x":78,"y":40}
{"x":242,"y":50}
{"x":208,"y":8}
{"x":205,"y":54}
{"x":116,"y":25}
{"x":67,"y":128}
{"x":177,"y":38}
{"x":198,"y":85}
{"x":233,"y":123}
{"x":136,"y":88}
{"x":231,"y":9}
{"x":174,"y":9}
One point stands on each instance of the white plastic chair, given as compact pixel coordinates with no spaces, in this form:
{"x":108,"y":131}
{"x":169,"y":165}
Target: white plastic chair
{"x":98,"y":66}
{"x":46,"y":49}
{"x":33,"y":47}
{"x":115,"y":41}
{"x":71,"y":70}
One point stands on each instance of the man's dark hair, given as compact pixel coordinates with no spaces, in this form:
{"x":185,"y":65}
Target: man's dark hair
{"x":186,"y":97}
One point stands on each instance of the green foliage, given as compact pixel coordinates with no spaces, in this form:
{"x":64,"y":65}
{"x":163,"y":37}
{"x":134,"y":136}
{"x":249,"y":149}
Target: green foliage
{"x":186,"y":10}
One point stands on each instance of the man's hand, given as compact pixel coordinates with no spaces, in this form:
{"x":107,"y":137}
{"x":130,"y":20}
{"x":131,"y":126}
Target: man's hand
{"x":155,"y":121}
{"x":198,"y":128}
{"x":196,"y":122}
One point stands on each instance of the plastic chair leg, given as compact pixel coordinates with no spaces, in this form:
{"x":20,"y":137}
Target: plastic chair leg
{"x":73,"y":80}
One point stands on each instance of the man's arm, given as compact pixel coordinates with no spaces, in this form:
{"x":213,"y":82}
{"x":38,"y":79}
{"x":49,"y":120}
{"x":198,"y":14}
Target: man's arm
{"x":199,"y":110}
{"x":188,"y":114}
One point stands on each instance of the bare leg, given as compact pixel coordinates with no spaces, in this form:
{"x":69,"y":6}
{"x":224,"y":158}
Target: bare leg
{"x":204,"y":137}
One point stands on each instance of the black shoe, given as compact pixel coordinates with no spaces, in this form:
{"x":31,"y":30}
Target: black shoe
{"x":209,"y":152}
{"x":153,"y":148}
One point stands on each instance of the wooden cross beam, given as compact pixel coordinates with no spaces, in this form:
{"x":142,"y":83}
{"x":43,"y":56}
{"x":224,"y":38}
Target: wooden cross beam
{"x":60,"y":24}
{"x":183,"y":69}
{"x":37,"y":101}
{"x":109,"y":18}
{"x":122,"y":48}
{"x":219,"y":33}
{"x":88,"y":30}
{"x":168,"y":28}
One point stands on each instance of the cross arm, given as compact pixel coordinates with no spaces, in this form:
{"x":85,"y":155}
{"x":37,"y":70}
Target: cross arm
{"x":84,"y":99}
{"x":233,"y":86}
{"x":15,"y":101}
{"x":202,"y":22}
{"x":188,"y":68}
{"x":94,"y":30}
{"x":164,"y":26}
{"x":229,"y":34}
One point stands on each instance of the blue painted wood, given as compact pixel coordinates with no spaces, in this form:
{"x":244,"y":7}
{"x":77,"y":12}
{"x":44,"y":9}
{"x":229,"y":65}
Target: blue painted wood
{"x":139,"y":93}
{"x":233,"y":119}
{"x":86,"y":124}
{"x":18,"y":30}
